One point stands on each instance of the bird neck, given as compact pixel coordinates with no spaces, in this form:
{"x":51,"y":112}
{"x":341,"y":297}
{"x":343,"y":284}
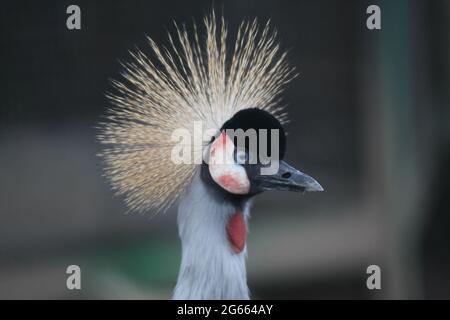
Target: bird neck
{"x":213,"y":235}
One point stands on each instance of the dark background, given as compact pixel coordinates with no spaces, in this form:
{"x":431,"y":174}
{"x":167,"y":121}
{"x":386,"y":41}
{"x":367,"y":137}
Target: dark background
{"x":370,"y":120}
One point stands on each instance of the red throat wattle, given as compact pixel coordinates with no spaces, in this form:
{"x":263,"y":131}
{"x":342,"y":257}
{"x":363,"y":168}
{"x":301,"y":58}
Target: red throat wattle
{"x":237,"y":232}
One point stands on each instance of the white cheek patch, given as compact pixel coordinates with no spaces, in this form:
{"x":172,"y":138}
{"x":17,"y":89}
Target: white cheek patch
{"x":224,"y":170}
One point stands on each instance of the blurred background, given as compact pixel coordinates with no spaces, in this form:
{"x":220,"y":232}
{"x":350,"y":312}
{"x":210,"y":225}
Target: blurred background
{"x":370,"y":119}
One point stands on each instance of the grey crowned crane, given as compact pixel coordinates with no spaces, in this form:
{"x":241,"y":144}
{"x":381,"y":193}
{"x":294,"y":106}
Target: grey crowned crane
{"x":199,"y":81}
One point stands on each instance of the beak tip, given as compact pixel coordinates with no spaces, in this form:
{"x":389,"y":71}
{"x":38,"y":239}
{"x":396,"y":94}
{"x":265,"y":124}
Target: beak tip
{"x":315,"y":187}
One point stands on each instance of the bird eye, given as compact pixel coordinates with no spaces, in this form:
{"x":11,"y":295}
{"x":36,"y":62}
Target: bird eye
{"x":241,"y":156}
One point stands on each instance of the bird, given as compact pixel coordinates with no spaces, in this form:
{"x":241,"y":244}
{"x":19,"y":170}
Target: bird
{"x":226,"y":83}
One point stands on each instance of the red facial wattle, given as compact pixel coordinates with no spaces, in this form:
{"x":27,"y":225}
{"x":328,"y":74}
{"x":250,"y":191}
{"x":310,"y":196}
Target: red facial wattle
{"x":237,"y":232}
{"x":230,"y":182}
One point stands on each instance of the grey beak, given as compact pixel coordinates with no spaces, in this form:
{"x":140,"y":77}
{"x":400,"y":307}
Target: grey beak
{"x":288,"y":179}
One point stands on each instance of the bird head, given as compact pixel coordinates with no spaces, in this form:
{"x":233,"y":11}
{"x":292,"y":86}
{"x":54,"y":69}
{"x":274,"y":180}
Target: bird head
{"x":246,"y":158}
{"x":202,"y":79}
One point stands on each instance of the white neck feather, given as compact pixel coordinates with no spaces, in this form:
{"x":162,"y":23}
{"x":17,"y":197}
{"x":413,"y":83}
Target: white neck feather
{"x":209,"y":267}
